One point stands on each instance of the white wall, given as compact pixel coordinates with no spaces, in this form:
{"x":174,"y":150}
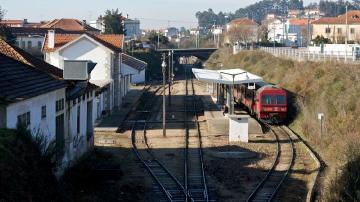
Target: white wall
{"x":75,"y":144}
{"x":85,"y":49}
{"x":33,"y":105}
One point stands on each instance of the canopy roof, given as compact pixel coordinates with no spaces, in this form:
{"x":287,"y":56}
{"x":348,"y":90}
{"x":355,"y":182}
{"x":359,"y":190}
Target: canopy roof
{"x":226,"y":76}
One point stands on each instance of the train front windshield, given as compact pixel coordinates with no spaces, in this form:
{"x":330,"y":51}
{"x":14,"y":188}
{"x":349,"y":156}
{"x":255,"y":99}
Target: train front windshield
{"x":273,"y":100}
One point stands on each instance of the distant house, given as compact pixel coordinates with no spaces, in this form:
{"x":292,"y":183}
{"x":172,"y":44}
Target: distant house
{"x":297,"y":31}
{"x":293,"y":31}
{"x":70,"y":25}
{"x":132,"y":27}
{"x":313,"y":13}
{"x":31,"y":39}
{"x":20,"y":23}
{"x":42,"y":98}
{"x":245,"y":25}
{"x":171,"y":32}
{"x":295,"y":13}
{"x":336,"y":29}
{"x":106,"y":51}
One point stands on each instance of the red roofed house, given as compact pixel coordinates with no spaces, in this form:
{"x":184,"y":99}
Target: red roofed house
{"x":245,"y":25}
{"x":334,"y":28}
{"x":111,"y":73}
{"x":70,"y":25}
{"x":297,"y":31}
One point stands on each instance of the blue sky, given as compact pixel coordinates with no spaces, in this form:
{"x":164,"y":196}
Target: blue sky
{"x":152,"y":13}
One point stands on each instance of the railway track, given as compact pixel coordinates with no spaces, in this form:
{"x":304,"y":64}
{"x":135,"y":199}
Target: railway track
{"x":195,"y":179}
{"x":194,"y":187}
{"x":168,"y":187}
{"x":267,"y":189}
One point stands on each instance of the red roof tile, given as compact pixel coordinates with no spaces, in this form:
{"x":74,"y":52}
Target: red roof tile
{"x":69,"y":24}
{"x":24,"y":57}
{"x":297,"y":21}
{"x":243,"y":21}
{"x":111,"y":41}
{"x":353,"y":17}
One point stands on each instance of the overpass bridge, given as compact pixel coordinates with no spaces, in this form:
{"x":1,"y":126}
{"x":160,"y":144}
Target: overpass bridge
{"x":201,"y":53}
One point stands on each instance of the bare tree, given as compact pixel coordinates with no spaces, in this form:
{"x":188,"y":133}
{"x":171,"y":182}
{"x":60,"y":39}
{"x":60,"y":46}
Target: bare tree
{"x":243,"y":34}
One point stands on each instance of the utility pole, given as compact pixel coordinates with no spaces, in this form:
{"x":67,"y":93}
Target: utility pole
{"x":309,"y":31}
{"x":163,"y":65}
{"x":169,"y":79}
{"x":172,"y":66}
{"x":346,"y":19}
{"x":158,"y":41}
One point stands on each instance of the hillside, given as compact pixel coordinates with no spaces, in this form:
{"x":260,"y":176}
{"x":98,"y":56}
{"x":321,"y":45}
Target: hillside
{"x":329,"y":88}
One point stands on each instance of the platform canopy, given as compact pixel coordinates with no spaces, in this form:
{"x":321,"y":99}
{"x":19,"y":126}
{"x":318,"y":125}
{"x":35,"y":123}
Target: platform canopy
{"x":226,"y":76}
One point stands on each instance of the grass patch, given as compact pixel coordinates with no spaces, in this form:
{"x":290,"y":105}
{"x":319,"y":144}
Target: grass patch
{"x":330,"y":88}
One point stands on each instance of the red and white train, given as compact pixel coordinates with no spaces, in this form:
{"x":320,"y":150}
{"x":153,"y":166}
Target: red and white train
{"x":267,"y":102}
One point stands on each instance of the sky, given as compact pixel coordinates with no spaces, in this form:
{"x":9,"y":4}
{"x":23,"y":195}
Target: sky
{"x":153,"y":14}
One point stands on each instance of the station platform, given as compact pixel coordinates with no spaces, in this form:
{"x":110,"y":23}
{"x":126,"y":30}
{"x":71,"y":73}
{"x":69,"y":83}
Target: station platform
{"x":112,"y":122}
{"x":218,"y":124}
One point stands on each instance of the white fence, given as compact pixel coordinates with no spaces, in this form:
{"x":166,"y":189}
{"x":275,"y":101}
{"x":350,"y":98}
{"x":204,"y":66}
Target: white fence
{"x":303,"y":54}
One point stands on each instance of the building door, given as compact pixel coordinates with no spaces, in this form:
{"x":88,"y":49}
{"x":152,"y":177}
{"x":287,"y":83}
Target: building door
{"x":89,"y":120}
{"x":60,"y":140}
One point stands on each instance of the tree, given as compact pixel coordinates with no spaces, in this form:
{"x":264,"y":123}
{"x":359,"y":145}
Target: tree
{"x":114,"y":22}
{"x":242,"y":34}
{"x":154,"y":37}
{"x":321,"y":40}
{"x":5,"y":33}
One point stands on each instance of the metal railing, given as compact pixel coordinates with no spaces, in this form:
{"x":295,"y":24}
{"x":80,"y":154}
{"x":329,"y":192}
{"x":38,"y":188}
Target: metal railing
{"x":303,"y":54}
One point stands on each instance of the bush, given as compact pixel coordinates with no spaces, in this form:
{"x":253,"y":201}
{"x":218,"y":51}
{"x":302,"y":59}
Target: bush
{"x":26,"y":170}
{"x":346,"y":186}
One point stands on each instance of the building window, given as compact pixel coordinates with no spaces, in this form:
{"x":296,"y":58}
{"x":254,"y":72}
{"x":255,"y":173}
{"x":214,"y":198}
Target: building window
{"x":24,"y":119}
{"x":29,"y":44}
{"x":78,"y":120}
{"x":352,"y":30}
{"x":39,"y":45}
{"x":43,"y":112}
{"x":339,"y":30}
{"x":327,"y":30}
{"x":22,"y":44}
{"x":60,"y":105}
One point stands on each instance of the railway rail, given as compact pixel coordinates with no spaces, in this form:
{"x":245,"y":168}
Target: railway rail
{"x":195,"y":179}
{"x":170,"y":189}
{"x":267,"y":189}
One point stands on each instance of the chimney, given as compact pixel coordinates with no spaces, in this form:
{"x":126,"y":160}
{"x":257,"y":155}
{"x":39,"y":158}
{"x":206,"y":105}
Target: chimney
{"x":84,"y":24}
{"x":51,"y":39}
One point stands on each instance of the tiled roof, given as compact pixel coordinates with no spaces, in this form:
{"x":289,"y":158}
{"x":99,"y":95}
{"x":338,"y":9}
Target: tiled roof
{"x":133,"y":62}
{"x":24,"y":57}
{"x":20,"y":81}
{"x":111,"y":41}
{"x":24,"y":31}
{"x":243,"y":21}
{"x":69,"y":24}
{"x":11,"y":22}
{"x":297,"y":21}
{"x":353,"y":17}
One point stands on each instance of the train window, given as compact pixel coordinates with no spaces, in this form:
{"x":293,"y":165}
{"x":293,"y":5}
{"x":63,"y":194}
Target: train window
{"x":280,"y":99}
{"x":266,"y":99}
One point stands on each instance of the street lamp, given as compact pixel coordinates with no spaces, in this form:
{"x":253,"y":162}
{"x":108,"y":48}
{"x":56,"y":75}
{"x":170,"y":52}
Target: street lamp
{"x":163,"y":65}
{"x":233,"y":89}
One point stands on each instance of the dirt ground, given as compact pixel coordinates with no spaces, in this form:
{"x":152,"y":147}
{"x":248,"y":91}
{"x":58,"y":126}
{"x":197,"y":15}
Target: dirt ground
{"x":229,"y":179}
